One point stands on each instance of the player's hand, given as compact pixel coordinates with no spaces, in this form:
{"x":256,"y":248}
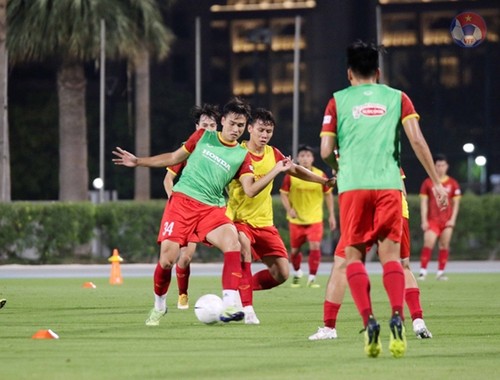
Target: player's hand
{"x":331,"y":181}
{"x":284,"y":164}
{"x":450,"y":224}
{"x":293,"y":213}
{"x":333,"y":223}
{"x":441,"y":196}
{"x":425,"y":226}
{"x":125,"y":158}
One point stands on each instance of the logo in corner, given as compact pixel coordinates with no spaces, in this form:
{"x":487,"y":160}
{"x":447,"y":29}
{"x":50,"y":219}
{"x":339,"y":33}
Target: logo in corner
{"x":468,"y":29}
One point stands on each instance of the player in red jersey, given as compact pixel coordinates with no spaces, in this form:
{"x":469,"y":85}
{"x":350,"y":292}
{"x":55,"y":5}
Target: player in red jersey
{"x":363,"y":122}
{"x":438,"y":223}
{"x":205,"y":117}
{"x":197,"y":205}
{"x":303,"y":202}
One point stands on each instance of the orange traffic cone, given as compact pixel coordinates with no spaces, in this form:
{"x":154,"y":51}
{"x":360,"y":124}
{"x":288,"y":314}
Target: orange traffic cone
{"x":116,"y":273}
{"x":89,"y":285}
{"x":45,"y":334}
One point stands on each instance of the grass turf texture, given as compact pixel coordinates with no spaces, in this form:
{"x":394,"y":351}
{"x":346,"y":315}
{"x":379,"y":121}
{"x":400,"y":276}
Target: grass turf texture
{"x":103,"y":336}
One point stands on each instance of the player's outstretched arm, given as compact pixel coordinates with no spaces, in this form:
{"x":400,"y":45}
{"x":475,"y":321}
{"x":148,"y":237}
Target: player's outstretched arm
{"x":252,"y":187}
{"x":307,"y":175}
{"x":128,"y":159}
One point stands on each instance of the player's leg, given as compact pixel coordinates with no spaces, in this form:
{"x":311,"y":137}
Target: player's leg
{"x":169,"y":251}
{"x":444,"y":252}
{"x":412,"y":292}
{"x":335,"y":291}
{"x":314,"y":237}
{"x":430,"y":237}
{"x":269,"y":248}
{"x":297,"y":239}
{"x":245,"y":287}
{"x":412,"y":298}
{"x":182,"y":272}
{"x":225,"y":237}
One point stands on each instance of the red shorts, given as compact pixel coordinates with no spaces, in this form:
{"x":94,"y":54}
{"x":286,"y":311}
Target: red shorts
{"x":265,"y":241}
{"x":437,"y":227}
{"x":405,"y":239}
{"x":367,"y":216}
{"x":340,"y":249}
{"x":405,"y":243}
{"x":187,"y":220}
{"x":300,"y":233}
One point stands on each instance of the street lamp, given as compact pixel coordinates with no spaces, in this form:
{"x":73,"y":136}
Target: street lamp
{"x":469,"y":149}
{"x":481,"y":162}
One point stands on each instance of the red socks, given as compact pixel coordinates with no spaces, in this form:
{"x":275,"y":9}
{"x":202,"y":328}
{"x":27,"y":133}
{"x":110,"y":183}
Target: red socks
{"x":231,"y":271}
{"x":296,"y":260}
{"x":161,"y":280}
{"x":394,"y":284}
{"x":314,"y":260}
{"x":182,"y":278}
{"x":359,"y":284}
{"x":425,"y":257}
{"x":330,"y":312}
{"x":443,"y":258}
{"x":245,"y":288}
{"x":412,"y":297}
{"x":263,"y":280}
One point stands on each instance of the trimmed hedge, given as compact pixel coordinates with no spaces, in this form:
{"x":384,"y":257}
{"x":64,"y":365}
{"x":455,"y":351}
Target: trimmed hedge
{"x":58,"y":232}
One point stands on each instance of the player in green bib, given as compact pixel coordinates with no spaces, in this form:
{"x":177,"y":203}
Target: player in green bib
{"x":197,"y":204}
{"x":360,"y":139}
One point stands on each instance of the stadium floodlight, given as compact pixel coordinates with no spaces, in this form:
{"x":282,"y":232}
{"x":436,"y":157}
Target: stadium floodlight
{"x":98,"y":183}
{"x":480,"y":160}
{"x":468,"y":148}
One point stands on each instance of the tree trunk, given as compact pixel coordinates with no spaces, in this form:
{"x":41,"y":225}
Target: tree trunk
{"x":73,"y":169}
{"x":142,"y":125}
{"x":5,"y":180}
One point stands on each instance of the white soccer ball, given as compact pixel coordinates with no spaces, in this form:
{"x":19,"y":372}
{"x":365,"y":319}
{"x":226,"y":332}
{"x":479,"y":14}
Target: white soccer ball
{"x":208,"y":308}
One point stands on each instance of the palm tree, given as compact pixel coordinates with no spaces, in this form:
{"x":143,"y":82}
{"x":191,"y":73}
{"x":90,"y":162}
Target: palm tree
{"x":68,"y":31}
{"x":4,"y":127}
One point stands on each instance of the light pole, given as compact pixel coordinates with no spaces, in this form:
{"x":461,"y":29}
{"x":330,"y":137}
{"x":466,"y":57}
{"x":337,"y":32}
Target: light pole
{"x":481,"y":162}
{"x":469,"y":149}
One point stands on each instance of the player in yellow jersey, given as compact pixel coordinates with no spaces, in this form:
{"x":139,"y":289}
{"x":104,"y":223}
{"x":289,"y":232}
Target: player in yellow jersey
{"x":303,"y":202}
{"x":253,"y":217}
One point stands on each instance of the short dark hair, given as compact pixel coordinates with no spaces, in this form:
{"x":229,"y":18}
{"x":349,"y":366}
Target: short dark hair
{"x":362,"y":58}
{"x":238,"y":106}
{"x":306,"y":148}
{"x":264,"y":115}
{"x":209,"y":110}
{"x":440,"y":157}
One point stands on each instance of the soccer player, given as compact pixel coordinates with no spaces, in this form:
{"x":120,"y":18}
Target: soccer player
{"x":253,"y":217}
{"x":3,"y":301}
{"x":205,"y":117}
{"x":197,"y":205}
{"x":438,"y":223}
{"x":303,"y":202}
{"x":337,"y":284}
{"x":363,"y":122}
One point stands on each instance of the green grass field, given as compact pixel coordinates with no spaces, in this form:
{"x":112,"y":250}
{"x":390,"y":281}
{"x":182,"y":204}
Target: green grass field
{"x":103,"y":336}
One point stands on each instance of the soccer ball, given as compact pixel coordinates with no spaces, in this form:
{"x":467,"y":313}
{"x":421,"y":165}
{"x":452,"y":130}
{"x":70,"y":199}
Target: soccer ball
{"x":208,"y":308}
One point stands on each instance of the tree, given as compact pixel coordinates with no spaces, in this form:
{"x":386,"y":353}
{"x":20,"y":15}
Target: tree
{"x":68,"y":32}
{"x":5,"y":187}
